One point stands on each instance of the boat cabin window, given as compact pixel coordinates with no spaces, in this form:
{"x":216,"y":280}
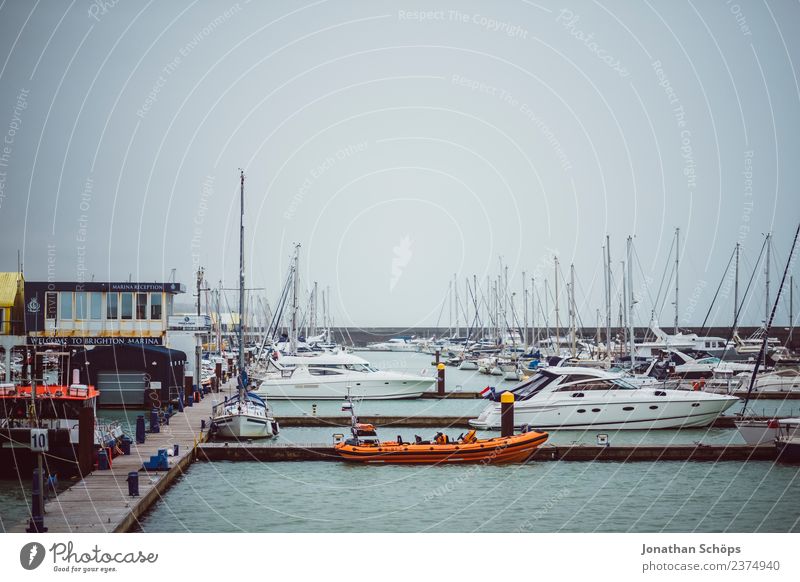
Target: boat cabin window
{"x":66,"y":304}
{"x":322,"y":371}
{"x":531,"y":387}
{"x":596,"y":384}
{"x":155,"y":306}
{"x":112,"y":306}
{"x":127,"y":305}
{"x":141,"y":306}
{"x":95,"y":305}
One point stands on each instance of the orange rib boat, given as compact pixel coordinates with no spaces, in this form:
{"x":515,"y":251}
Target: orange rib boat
{"x":365,"y":447}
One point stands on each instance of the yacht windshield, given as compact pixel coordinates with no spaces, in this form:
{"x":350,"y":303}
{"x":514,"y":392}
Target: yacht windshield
{"x":531,"y":387}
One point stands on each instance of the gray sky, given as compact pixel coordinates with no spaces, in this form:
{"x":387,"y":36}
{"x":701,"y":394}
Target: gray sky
{"x":400,"y":147}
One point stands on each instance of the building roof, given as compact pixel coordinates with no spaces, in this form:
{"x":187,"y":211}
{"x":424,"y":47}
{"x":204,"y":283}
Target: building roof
{"x":8,"y":288}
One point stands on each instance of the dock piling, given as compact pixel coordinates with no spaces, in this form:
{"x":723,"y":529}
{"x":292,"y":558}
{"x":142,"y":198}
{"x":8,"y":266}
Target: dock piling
{"x":36,"y":523}
{"x":507,"y":414}
{"x":440,"y":379}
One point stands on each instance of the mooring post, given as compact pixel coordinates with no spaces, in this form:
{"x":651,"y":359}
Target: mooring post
{"x":188,"y":389}
{"x":86,"y":440}
{"x":140,"y":428}
{"x":507,"y":414}
{"x":437,"y":354}
{"x":440,"y":380}
{"x":36,"y":523}
{"x":218,"y":371}
{"x":154,"y":425}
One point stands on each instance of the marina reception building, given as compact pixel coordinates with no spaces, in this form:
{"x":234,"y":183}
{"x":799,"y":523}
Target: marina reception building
{"x":116,"y":334}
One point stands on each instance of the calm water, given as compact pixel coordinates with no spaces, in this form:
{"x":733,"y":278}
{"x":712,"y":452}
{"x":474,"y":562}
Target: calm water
{"x":540,"y":497}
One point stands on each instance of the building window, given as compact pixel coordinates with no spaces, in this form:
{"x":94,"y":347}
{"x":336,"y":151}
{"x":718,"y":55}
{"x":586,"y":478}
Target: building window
{"x":50,"y":305}
{"x":141,"y":306}
{"x":155,"y":306}
{"x":81,"y":311}
{"x":127,"y":306}
{"x":112,"y":306}
{"x":95,"y":305}
{"x":66,"y":304}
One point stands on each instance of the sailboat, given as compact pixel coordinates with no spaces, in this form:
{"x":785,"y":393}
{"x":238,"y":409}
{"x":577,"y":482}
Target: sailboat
{"x":758,"y":431}
{"x":245,"y":415}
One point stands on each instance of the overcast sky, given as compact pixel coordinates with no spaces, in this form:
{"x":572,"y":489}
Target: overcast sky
{"x":401,"y":147}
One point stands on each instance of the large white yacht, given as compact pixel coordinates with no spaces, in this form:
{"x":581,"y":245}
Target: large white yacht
{"x":328,"y":376}
{"x":582,"y":398}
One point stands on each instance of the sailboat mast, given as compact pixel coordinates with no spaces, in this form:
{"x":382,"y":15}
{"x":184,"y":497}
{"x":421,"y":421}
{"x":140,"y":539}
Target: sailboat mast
{"x":572,"y":315}
{"x":241,"y":272}
{"x":608,"y":296}
{"x":558,"y":326}
{"x":630,"y":299}
{"x":677,"y":265}
{"x":766,"y":275}
{"x":295,"y":307}
{"x":736,"y":289}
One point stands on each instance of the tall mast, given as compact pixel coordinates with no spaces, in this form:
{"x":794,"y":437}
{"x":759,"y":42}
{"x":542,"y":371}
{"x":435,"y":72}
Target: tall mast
{"x":736,"y":289}
{"x":241,"y":275}
{"x":295,"y":283}
{"x":572,"y":314}
{"x":608,"y":295}
{"x":455,"y":296}
{"x":631,"y":299}
{"x":533,"y":311}
{"x":677,"y":264}
{"x":766,"y":274}
{"x":525,"y":310}
{"x":546,"y":311}
{"x":558,"y":326}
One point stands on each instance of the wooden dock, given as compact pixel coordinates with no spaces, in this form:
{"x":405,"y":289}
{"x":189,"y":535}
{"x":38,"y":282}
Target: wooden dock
{"x":100,"y":502}
{"x":337,"y":422}
{"x":579,"y":453}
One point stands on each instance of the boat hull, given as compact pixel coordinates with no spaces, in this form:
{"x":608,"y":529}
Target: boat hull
{"x":243,"y":426}
{"x":514,"y":449}
{"x":607,"y":414}
{"x":319,"y":389}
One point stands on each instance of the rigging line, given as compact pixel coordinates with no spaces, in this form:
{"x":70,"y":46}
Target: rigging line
{"x":741,"y":303}
{"x":716,"y":294}
{"x":671,"y":266}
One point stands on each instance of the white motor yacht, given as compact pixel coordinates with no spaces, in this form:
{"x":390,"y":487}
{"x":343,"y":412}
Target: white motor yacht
{"x":581,"y":398}
{"x":329,"y":377}
{"x":395,"y":344}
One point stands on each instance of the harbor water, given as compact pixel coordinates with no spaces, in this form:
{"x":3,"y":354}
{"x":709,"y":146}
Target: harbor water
{"x":536,"y":497}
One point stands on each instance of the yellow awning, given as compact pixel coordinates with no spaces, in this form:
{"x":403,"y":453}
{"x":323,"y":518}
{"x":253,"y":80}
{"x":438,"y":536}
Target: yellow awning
{"x":9,"y":285}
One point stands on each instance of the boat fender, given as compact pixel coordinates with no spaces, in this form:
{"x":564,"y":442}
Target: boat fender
{"x":275,"y":428}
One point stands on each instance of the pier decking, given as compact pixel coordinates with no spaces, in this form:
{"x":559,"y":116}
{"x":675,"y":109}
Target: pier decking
{"x":100,"y":502}
{"x":584,"y":453}
{"x":424,"y":421}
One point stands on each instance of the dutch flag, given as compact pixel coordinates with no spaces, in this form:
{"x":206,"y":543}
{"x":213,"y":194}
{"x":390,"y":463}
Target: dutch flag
{"x":487,"y":392}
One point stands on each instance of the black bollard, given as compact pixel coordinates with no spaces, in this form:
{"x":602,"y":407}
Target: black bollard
{"x":140,"y":429}
{"x":507,"y":414}
{"x":440,"y":380}
{"x":36,"y":523}
{"x":437,"y":355}
{"x":133,"y":484}
{"x":154,"y":428}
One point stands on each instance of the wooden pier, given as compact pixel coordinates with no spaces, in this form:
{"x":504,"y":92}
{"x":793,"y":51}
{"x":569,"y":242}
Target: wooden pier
{"x":100,"y":502}
{"x":336,"y":422}
{"x":580,"y":453}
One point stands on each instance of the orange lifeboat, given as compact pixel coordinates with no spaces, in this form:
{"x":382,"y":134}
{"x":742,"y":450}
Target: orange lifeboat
{"x":469,"y":449}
